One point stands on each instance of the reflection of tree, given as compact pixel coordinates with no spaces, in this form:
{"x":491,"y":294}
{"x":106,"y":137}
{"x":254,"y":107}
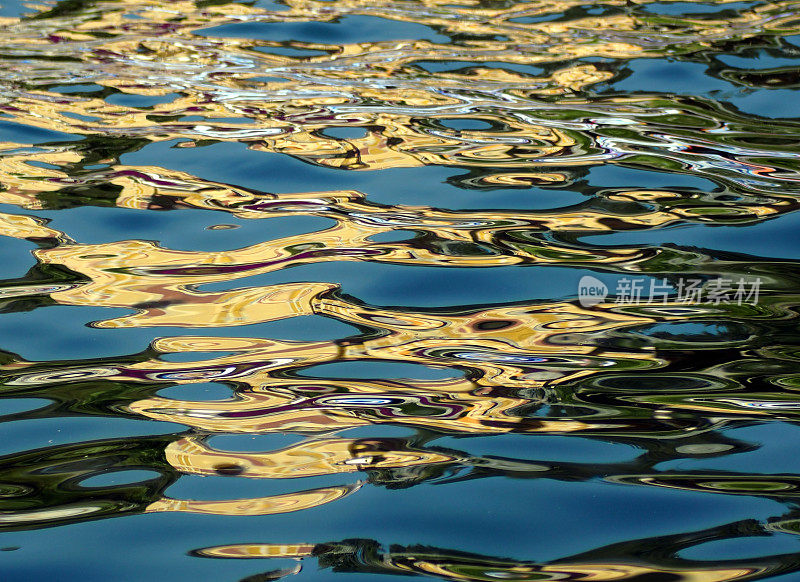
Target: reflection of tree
{"x":33,"y":290}
{"x":656,"y":559}
{"x":43,"y":487}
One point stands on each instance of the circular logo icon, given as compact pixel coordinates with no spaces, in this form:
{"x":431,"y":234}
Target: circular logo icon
{"x":591,"y":291}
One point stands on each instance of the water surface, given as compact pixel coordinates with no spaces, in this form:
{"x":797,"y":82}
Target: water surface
{"x":463,"y":290}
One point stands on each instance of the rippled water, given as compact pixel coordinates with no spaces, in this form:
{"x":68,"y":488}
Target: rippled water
{"x":311,"y":289}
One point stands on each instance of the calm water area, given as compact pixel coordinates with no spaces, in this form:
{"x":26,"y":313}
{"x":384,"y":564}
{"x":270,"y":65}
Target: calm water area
{"x":361,"y":291}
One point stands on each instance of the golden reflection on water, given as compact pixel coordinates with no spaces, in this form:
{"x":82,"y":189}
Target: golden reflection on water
{"x":260,"y":506}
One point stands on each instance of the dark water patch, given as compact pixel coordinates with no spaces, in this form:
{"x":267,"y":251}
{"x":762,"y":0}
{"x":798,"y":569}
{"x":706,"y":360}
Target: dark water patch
{"x":17,"y":257}
{"x":393,"y":236}
{"x":452,"y":66}
{"x":203,"y":391}
{"x":217,"y":119}
{"x":10,"y":406}
{"x":770,"y":453}
{"x":37,"y":164}
{"x":268,"y":79}
{"x":513,"y":505}
{"x":742,"y":548}
{"x":19,"y":133}
{"x":465,"y":124}
{"x":347,"y":29}
{"x":549,"y":449}
{"x":289,"y":51}
{"x":80,"y":117}
{"x":252,"y":443}
{"x":761,"y":60}
{"x":15,"y":9}
{"x":166,"y":558}
{"x":535,"y":19}
{"x":345,"y":132}
{"x":271,"y":5}
{"x":39,"y":433}
{"x":72,"y":339}
{"x":769,"y":103}
{"x":671,"y":77}
{"x":695,"y":8}
{"x":190,"y":230}
{"x":119,"y":478}
{"x":77,"y":88}
{"x":696,"y":332}
{"x":607,"y":176}
{"x":140,"y":101}
{"x":765,"y":239}
{"x":192,"y":356}
{"x":383,"y":284}
{"x":366,"y":370}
